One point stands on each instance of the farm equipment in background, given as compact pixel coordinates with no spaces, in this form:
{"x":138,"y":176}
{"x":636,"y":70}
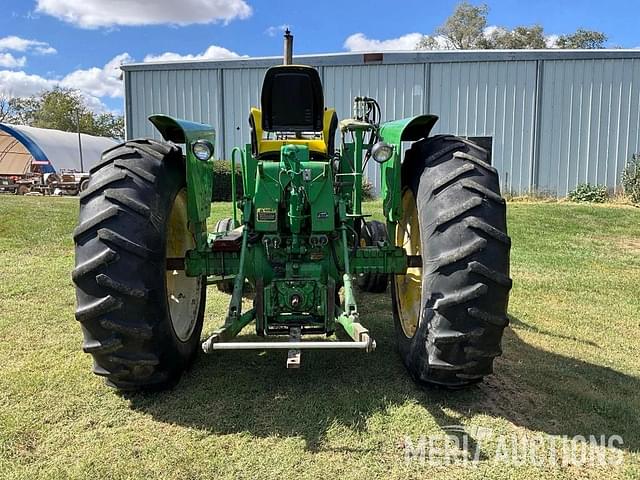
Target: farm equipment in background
{"x":298,"y":236}
{"x":66,"y":182}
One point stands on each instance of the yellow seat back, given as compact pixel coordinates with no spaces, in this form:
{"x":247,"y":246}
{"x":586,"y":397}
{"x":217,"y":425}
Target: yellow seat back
{"x":322,"y":146}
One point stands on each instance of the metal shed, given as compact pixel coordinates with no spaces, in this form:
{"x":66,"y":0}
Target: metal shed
{"x":553,"y":118}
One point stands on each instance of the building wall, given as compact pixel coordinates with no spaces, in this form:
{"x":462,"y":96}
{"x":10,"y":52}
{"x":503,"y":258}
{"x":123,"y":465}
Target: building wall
{"x":556,"y":118}
{"x":490,"y":99}
{"x":590,"y":122}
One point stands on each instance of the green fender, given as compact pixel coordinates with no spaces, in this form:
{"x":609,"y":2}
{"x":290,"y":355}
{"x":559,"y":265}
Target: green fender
{"x":409,"y":129}
{"x":199,"y":174}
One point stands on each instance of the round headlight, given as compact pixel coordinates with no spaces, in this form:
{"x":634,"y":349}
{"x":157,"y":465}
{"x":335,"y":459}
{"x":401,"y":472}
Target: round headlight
{"x":381,"y":152}
{"x":203,"y":150}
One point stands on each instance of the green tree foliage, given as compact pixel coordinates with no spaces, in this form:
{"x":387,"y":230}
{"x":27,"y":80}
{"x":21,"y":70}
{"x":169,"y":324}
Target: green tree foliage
{"x":466,"y":29}
{"x":582,"y":39}
{"x":631,"y":179}
{"x":62,"y":109}
{"x":518,"y":38}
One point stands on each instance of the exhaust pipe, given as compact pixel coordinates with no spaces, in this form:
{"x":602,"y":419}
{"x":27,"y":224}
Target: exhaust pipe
{"x":288,"y":48}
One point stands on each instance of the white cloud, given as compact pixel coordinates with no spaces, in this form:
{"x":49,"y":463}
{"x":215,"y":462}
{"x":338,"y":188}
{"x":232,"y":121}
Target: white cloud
{"x":95,"y":83}
{"x":92,"y":83}
{"x":211,"y":53}
{"x":99,"y":82}
{"x":551,"y":41}
{"x":492,"y":30}
{"x":359,"y":42}
{"x":276,"y":29}
{"x":101,"y":13}
{"x":25,"y":45}
{"x":21,"y":84}
{"x":9,"y":61}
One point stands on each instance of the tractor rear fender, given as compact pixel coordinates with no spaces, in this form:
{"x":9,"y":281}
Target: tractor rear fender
{"x":199,"y":174}
{"x":409,"y":129}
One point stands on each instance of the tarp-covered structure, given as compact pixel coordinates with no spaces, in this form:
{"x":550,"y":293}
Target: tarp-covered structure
{"x":26,"y":149}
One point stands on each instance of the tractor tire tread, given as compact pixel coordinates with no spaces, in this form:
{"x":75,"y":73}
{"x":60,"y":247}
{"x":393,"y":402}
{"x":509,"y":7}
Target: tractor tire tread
{"x":119,"y":264}
{"x":464,"y":305}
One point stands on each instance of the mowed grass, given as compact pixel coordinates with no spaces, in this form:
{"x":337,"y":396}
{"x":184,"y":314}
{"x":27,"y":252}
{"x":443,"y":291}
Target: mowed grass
{"x":571,"y":366}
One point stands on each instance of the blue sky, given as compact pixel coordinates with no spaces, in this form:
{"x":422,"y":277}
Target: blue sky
{"x":80,"y":43}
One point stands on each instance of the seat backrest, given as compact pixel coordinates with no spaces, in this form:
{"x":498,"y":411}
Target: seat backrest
{"x":292,"y":100}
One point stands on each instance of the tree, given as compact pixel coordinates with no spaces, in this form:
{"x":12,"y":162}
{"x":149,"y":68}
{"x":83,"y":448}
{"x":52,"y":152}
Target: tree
{"x":463,"y":29}
{"x":582,"y":38}
{"x":518,"y":38}
{"x":5,"y":108}
{"x":63,"y":109}
{"x":466,"y":29}
{"x":109,"y":125}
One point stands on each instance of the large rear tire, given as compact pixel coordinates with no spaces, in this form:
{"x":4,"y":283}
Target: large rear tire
{"x":450,"y":314}
{"x":141,"y":322}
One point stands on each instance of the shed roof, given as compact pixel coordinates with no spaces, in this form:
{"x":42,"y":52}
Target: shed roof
{"x":59,"y":150}
{"x":387,"y":58}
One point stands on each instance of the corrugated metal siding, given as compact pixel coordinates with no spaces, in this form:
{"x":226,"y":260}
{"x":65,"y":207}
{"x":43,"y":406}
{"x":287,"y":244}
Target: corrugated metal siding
{"x":557,"y":118}
{"x":189,"y":94}
{"x":399,"y":89}
{"x":490,"y":99}
{"x":590,"y":122}
{"x":241,"y":92}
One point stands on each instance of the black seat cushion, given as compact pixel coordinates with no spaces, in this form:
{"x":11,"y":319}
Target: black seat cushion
{"x":292,"y":99}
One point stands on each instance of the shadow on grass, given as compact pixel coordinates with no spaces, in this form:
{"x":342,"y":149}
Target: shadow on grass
{"x":252,"y":392}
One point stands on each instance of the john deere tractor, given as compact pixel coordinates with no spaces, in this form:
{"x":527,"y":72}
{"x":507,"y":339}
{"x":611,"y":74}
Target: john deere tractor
{"x":297,"y":237}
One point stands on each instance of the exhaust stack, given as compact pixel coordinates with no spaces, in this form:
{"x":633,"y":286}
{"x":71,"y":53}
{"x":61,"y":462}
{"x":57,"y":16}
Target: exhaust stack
{"x":288,"y":48}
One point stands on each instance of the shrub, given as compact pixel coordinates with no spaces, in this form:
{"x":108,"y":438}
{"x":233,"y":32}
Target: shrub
{"x":586,"y":192}
{"x":631,"y":179}
{"x":368,"y":192}
{"x":222,"y":181}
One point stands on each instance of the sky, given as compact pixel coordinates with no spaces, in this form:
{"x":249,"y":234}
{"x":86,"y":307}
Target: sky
{"x":80,"y":44}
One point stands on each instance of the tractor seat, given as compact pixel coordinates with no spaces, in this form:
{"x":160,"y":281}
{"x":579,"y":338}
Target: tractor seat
{"x":292,"y":113}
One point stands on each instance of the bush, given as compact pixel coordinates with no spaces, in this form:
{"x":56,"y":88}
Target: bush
{"x":586,"y":192}
{"x":631,"y":179}
{"x":222,"y":181}
{"x":368,"y":192}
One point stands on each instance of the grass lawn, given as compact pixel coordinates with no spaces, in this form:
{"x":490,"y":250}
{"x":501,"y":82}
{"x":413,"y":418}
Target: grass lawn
{"x":571,"y":366}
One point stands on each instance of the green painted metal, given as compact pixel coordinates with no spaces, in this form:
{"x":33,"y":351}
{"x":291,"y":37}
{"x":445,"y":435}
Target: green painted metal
{"x":199,"y":173}
{"x":409,"y":129}
{"x":235,"y":306}
{"x":231,"y":330}
{"x":300,"y":213}
{"x":234,"y":192}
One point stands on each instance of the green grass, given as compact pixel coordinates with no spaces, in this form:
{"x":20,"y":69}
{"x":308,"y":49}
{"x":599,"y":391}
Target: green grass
{"x":570,"y":367}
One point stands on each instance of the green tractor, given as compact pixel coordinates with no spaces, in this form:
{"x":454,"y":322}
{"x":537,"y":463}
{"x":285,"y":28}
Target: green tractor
{"x":298,"y":237}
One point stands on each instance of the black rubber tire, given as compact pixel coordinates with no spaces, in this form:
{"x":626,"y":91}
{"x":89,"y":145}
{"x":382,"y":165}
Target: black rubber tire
{"x":84,"y":183}
{"x":121,"y":264}
{"x":23,"y":189}
{"x":465,"y":252}
{"x":225,"y":225}
{"x":371,"y":233}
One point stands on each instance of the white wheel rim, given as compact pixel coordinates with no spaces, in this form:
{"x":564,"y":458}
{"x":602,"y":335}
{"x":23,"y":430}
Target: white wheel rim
{"x":183,"y":293}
